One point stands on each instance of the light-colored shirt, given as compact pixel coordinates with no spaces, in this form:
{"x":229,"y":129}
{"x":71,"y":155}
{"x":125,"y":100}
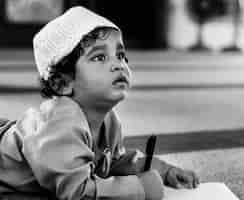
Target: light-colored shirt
{"x":51,"y":148}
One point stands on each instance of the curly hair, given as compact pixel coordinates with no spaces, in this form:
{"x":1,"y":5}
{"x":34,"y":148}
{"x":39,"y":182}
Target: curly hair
{"x":66,"y":68}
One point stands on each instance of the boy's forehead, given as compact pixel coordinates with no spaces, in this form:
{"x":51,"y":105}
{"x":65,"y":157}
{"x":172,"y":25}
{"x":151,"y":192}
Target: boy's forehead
{"x":114,"y":38}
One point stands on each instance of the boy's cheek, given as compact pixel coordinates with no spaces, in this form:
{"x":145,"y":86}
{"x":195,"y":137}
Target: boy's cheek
{"x":130,"y":75}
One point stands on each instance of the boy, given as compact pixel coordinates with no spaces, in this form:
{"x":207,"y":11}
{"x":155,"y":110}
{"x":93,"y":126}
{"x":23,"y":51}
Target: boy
{"x":71,"y":147}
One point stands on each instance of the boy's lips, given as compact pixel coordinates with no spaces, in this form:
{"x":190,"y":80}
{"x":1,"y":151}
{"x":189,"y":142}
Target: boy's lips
{"x":121,"y":80}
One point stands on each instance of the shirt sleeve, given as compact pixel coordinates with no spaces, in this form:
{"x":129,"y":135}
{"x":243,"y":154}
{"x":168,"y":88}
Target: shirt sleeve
{"x":59,"y":155}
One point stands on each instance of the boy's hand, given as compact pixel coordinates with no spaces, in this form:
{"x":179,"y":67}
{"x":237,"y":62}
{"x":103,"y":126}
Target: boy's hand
{"x":152,"y":184}
{"x":179,"y":178}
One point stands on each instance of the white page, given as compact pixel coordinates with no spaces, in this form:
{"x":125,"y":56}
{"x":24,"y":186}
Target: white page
{"x":205,"y":191}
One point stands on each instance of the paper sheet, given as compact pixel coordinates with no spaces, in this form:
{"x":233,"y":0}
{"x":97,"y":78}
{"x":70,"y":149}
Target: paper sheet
{"x":205,"y":191}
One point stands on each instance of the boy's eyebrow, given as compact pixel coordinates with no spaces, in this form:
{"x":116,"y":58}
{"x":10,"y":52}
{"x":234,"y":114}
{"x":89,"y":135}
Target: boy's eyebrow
{"x":120,"y":46}
{"x":96,"y":48}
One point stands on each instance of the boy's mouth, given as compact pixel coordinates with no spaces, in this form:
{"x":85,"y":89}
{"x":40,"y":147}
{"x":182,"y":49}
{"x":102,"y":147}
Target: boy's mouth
{"x":121,"y":80}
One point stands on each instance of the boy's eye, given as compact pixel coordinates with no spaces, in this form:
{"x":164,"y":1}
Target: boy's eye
{"x":100,"y":57}
{"x":122,"y":56}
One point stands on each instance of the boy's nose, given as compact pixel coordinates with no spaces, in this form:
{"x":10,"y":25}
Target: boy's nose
{"x":117,"y":67}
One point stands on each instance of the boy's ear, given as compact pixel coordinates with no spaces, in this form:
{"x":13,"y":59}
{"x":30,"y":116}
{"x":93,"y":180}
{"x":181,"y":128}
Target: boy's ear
{"x":67,"y":88}
{"x":62,"y":85}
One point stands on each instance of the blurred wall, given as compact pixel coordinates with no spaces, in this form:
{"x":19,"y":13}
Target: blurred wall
{"x":218,"y":32}
{"x":145,"y":24}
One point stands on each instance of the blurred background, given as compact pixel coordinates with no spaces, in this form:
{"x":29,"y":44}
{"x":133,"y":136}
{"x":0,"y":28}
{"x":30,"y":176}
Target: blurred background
{"x":168,"y":24}
{"x":188,"y":65}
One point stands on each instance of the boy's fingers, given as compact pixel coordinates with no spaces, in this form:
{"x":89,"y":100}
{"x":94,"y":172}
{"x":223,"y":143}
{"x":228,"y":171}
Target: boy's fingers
{"x":196,"y":182}
{"x":186,"y":180}
{"x":188,"y":185}
{"x":174,"y":182}
{"x":179,"y":186}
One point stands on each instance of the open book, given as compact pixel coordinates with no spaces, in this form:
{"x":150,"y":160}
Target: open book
{"x":205,"y":191}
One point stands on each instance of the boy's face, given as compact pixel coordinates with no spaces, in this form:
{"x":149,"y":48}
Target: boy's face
{"x":102,"y":74}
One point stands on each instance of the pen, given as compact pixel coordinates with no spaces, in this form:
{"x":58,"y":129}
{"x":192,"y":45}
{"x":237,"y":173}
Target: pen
{"x":151,"y":143}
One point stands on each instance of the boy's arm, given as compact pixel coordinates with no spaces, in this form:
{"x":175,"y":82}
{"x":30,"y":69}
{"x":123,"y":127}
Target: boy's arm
{"x":129,"y":161}
{"x":62,"y":162}
{"x":133,"y":162}
{"x":126,"y":187}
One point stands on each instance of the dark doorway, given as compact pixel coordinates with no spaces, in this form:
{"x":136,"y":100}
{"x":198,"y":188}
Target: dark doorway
{"x":138,"y":19}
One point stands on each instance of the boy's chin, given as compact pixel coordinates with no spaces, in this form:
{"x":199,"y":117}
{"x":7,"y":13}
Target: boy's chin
{"x":120,"y":96}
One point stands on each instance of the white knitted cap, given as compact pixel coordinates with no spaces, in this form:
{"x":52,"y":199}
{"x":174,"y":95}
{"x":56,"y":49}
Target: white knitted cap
{"x":59,"y":37}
